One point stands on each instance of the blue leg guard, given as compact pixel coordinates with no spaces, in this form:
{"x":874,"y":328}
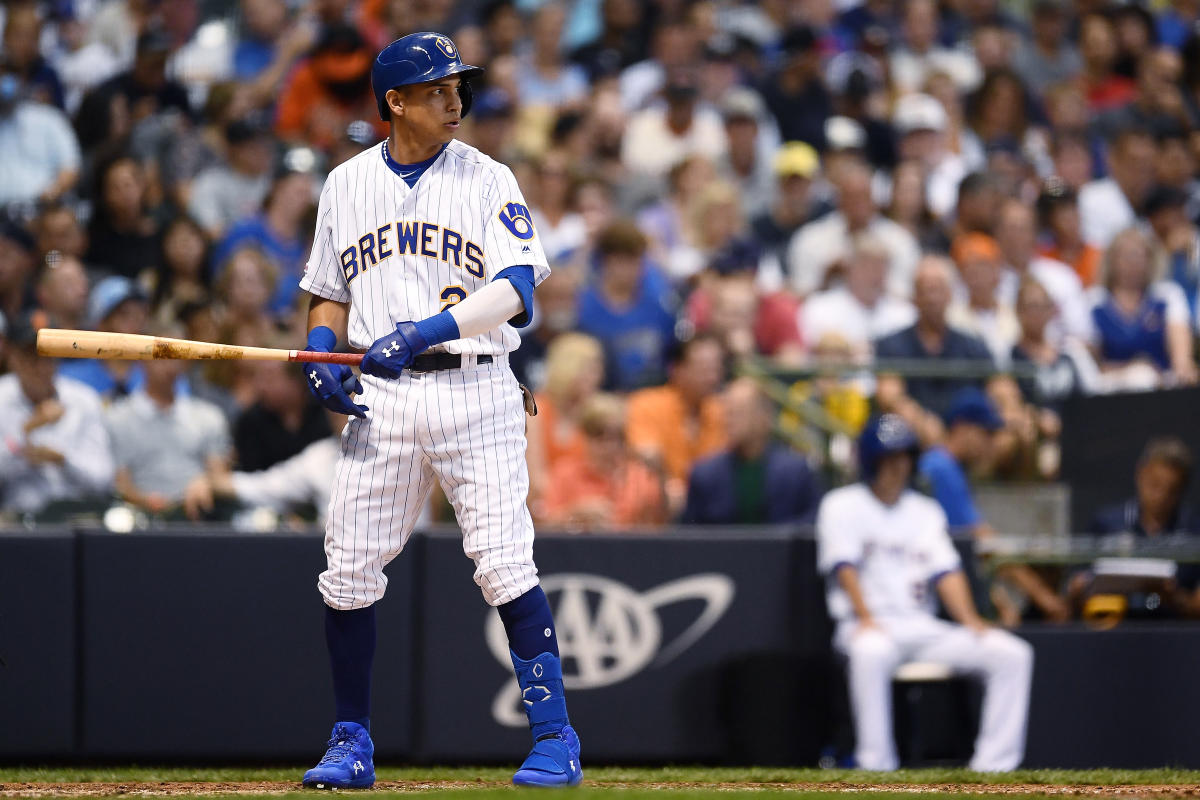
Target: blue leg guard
{"x":554,"y":760}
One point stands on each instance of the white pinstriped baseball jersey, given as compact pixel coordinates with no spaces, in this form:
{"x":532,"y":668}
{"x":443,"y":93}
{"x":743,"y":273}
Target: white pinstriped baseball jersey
{"x":395,"y":254}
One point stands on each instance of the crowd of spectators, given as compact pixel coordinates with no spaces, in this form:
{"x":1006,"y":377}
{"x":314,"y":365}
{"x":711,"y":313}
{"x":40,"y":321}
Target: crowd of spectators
{"x":1004,"y":193}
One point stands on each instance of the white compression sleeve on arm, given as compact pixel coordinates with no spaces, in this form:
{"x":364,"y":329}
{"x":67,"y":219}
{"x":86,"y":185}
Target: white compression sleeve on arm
{"x":487,"y":308}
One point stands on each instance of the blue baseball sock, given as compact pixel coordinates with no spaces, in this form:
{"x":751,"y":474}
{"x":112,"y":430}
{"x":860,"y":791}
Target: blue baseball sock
{"x":350,"y":636}
{"x":534,"y":650}
{"x":529,"y":625}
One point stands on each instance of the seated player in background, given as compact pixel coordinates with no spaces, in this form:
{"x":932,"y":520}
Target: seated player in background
{"x":755,"y":480}
{"x":304,"y":479}
{"x":53,"y":449}
{"x":971,"y":423}
{"x":162,"y":440}
{"x":604,"y":486}
{"x":882,"y":548}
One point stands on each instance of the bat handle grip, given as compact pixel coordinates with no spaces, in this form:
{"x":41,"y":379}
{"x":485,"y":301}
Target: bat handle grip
{"x":317,"y":357}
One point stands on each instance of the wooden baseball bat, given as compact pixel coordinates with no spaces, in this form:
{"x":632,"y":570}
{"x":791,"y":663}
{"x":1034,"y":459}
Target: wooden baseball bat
{"x":61,"y":343}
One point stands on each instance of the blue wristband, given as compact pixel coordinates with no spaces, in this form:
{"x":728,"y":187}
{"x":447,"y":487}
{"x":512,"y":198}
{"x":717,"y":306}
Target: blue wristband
{"x":322,"y":339}
{"x":437,"y":329}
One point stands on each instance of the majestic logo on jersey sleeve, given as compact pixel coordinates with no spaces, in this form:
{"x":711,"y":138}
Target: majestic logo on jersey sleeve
{"x":518,"y":220}
{"x":446,"y":46}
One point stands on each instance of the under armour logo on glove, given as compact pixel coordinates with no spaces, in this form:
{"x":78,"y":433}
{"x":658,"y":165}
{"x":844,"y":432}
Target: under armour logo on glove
{"x":388,"y":357}
{"x":316,"y":382}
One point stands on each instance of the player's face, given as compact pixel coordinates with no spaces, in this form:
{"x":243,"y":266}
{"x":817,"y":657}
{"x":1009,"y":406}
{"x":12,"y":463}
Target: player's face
{"x":892,"y":476}
{"x":432,"y":111}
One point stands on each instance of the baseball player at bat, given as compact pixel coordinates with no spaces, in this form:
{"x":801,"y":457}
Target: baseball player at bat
{"x":425,"y":256}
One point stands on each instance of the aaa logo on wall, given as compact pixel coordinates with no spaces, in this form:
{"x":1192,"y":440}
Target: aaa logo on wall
{"x":608,"y":632}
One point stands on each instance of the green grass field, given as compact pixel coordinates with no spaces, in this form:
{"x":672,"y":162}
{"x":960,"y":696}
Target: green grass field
{"x":478,"y":783}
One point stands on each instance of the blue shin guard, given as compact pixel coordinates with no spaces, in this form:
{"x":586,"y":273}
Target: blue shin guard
{"x":554,"y":760}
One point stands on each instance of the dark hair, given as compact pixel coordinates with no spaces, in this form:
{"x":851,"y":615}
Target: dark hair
{"x":621,"y":237}
{"x":164,"y":277}
{"x":680,"y":347}
{"x":1123,"y":134}
{"x":489,"y":11}
{"x":1169,"y":450}
{"x":974,"y":183}
{"x":1055,"y":193}
{"x":980,"y":97}
{"x":102,"y":170}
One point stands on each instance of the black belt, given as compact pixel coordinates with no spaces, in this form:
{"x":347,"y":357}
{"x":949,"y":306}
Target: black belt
{"x":431,"y":362}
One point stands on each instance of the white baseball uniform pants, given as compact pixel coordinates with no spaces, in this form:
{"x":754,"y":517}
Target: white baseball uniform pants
{"x":464,"y":428}
{"x":1003,"y":661}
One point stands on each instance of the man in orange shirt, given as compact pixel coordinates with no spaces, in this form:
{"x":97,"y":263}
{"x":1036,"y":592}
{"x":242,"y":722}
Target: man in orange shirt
{"x":675,"y":424}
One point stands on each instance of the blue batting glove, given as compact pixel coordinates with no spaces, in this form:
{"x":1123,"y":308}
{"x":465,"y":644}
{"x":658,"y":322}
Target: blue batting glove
{"x":332,"y":384}
{"x":390,"y":354}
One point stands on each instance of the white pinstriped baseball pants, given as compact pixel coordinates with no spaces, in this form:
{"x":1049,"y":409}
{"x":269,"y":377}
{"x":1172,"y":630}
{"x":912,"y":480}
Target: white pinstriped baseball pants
{"x":1002,"y":660}
{"x":466,"y":429}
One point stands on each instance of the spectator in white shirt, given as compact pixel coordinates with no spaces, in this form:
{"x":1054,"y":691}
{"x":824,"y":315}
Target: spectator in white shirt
{"x":919,"y":54}
{"x":980,"y":311}
{"x":303,"y":479}
{"x":543,"y":77}
{"x":675,"y":45}
{"x":752,"y":142}
{"x":859,"y":310}
{"x":1016,"y":233}
{"x":55,"y":446}
{"x":823,"y":243}
{"x":921,"y":121}
{"x":661,"y":136}
{"x":1111,"y":204}
{"x":163,"y":440}
{"x":41,"y":155}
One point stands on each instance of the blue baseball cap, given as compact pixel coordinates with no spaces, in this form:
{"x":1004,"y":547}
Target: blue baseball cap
{"x":110,"y":293}
{"x":973,"y":406}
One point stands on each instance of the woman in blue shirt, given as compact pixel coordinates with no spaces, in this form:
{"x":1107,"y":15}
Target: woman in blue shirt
{"x":1137,"y":319}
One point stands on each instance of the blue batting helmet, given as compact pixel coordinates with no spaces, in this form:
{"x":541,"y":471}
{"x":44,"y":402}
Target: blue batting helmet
{"x":418,"y":58}
{"x":882,"y":436}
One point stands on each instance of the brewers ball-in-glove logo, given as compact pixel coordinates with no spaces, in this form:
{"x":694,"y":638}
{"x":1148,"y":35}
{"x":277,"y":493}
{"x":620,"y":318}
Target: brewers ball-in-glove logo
{"x":608,"y":632}
{"x":446,"y":46}
{"x":518,"y":220}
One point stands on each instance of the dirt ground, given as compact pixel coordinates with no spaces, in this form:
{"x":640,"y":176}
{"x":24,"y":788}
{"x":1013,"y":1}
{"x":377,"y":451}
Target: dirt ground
{"x":171,"y":789}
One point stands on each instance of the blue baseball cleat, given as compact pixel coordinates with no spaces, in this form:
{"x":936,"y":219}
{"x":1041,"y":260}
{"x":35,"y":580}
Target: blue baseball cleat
{"x":554,"y":761}
{"x":348,"y":763}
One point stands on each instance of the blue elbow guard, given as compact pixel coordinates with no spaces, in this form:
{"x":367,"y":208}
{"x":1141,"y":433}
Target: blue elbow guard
{"x":522,"y":280}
